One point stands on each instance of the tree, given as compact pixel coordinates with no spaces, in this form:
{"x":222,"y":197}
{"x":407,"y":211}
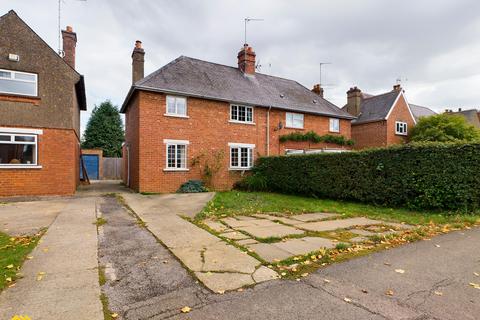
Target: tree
{"x":444,"y":128}
{"x":104,"y":130}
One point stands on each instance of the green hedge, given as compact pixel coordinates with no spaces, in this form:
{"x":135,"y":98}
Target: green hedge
{"x":312,"y":136}
{"x":419,"y":176}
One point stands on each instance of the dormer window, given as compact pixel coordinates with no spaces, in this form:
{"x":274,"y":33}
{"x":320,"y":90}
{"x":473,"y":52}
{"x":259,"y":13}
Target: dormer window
{"x":18,"y":83}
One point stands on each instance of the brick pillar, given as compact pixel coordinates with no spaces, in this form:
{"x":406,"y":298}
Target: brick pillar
{"x":138,"y":62}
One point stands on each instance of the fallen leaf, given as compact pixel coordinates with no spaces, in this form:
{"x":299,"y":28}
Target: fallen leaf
{"x":8,"y":279}
{"x":475,"y":285}
{"x":283,"y":273}
{"x":387,"y":263}
{"x":438,"y":293}
{"x":389,"y":293}
{"x":10,"y":266}
{"x":240,"y":290}
{"x":437,"y":245}
{"x":221,"y":291}
{"x":165,"y":261}
{"x":45,"y":250}
{"x":364,"y":291}
{"x":186,"y":309}
{"x":29,"y":257}
{"x":477,"y":274}
{"x":305,"y":274}
{"x":347,"y":299}
{"x":114,"y":315}
{"x":399,"y":271}
{"x":326,"y":280}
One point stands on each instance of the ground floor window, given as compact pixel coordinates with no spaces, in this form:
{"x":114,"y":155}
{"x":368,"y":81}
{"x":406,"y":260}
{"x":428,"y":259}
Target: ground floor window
{"x":176,"y":151}
{"x":17,"y":149}
{"x":241,"y":156}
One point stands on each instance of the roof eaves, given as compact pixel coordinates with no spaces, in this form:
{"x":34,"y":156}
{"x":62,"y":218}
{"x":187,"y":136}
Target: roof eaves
{"x":160,"y":90}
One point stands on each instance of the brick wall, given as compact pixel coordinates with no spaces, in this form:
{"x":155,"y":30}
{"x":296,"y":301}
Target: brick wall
{"x":400,"y":112}
{"x":208,"y":131}
{"x":58,"y":155}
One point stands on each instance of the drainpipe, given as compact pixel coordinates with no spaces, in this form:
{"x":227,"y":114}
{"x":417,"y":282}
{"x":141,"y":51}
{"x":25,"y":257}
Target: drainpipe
{"x":128,"y":165}
{"x":268,"y":131}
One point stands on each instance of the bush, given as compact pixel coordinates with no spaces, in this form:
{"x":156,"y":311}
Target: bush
{"x":444,"y":128}
{"x":192,"y":186}
{"x":312,"y":136}
{"x":417,"y":176}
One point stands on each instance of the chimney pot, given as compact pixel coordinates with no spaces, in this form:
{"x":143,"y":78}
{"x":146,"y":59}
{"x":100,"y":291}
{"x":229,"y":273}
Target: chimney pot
{"x":354,"y":101}
{"x":317,"y":88}
{"x":397,"y":87}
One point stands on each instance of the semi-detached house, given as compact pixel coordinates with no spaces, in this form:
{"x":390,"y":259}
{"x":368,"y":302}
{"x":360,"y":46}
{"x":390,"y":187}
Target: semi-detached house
{"x":194,"y":119}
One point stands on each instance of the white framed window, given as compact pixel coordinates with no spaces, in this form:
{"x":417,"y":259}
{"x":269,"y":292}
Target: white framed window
{"x":334,"y":125}
{"x":241,"y":114}
{"x":16,"y":82}
{"x":401,"y":128}
{"x":241,"y":156}
{"x":176,"y":106}
{"x":294,"y":151}
{"x":18,"y":149}
{"x":176,"y":155}
{"x":294,"y":120}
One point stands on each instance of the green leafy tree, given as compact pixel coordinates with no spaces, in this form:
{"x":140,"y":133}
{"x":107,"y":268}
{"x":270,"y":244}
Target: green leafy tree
{"x":444,"y":128}
{"x":104,"y":130}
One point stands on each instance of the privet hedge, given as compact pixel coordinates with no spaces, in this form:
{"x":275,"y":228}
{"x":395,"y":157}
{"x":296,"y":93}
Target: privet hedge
{"x":419,"y":176}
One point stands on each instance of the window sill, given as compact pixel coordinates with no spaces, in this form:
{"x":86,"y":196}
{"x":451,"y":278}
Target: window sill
{"x":35,"y":100}
{"x":176,"y":116}
{"x":175,"y":170}
{"x":294,"y":128}
{"x":239,"y":169}
{"x":333,"y":131}
{"x":401,"y":134}
{"x":241,"y":122}
{"x":19,"y":166}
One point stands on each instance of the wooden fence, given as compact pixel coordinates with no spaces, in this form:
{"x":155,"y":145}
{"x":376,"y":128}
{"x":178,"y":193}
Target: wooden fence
{"x":112,"y":168}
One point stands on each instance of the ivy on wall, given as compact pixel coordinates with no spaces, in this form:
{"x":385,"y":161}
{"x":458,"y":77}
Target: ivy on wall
{"x":312,"y":136}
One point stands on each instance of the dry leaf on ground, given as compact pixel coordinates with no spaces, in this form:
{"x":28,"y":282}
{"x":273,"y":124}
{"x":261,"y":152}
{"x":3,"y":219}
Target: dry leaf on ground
{"x":186,"y":309}
{"x":389,"y":293}
{"x":399,"y":271}
{"x":347,"y":299}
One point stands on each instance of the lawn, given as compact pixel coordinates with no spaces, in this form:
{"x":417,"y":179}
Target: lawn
{"x":13,"y":252}
{"x":245,"y":203}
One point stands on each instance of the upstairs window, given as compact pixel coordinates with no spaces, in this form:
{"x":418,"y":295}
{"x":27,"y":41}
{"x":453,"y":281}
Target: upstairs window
{"x":18,"y":149}
{"x":21,"y":83}
{"x":401,"y":128}
{"x":294,"y":120}
{"x":334,"y":125}
{"x":242,"y":114}
{"x":176,"y":106}
{"x":241,"y":156}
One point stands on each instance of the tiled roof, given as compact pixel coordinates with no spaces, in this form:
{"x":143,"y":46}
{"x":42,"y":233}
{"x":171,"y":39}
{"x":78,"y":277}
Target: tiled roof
{"x":419,"y":111}
{"x":376,"y":108}
{"x":197,"y":78}
{"x":470,"y":115}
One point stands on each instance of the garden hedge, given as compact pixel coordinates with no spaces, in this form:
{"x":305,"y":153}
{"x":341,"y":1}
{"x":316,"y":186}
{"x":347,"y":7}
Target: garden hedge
{"x":418,"y":176}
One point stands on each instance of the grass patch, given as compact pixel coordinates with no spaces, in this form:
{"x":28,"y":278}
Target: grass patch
{"x":13,"y":252}
{"x":100,"y":221}
{"x":233,"y":203}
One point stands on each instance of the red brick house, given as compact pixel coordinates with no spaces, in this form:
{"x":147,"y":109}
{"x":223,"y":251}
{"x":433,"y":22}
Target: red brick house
{"x":41,"y":96}
{"x":383,"y":119}
{"x":194,"y":119}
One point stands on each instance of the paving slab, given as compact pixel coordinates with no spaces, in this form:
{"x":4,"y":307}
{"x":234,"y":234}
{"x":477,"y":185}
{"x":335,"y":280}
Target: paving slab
{"x":307,"y":217}
{"x":215,"y":225}
{"x":246,"y":242}
{"x":362,"y":232}
{"x":235,"y":235}
{"x":305,"y":245}
{"x":234,"y":223}
{"x":226,"y":258}
{"x":287,"y":220}
{"x":69,"y":288}
{"x":277,"y":230}
{"x":358,"y":239}
{"x":263,"y":274}
{"x":269,"y":252}
{"x":221,"y":282}
{"x":338,"y":224}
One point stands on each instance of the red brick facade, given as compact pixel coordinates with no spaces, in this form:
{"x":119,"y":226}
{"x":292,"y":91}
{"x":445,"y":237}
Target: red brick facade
{"x":382,"y":133}
{"x":59,"y":170}
{"x":208,"y":131}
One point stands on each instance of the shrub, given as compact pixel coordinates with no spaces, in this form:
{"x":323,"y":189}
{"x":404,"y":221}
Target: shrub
{"x":192,"y":186}
{"x":312,"y":136}
{"x":444,"y":128}
{"x":417,"y":176}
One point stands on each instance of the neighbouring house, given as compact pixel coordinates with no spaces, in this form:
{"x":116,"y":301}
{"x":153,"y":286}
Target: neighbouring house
{"x":383,"y":119}
{"x":41,"y":96}
{"x":472,"y":116}
{"x":194,"y":119}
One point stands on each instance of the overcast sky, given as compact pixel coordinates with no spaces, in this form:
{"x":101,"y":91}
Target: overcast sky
{"x":432,"y":46}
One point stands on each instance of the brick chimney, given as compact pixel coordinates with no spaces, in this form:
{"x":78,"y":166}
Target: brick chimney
{"x":318,"y":90}
{"x":246,"y":60}
{"x":69,"y":44}
{"x":138,"y":62}
{"x":397,"y":87}
{"x":354,"y":100}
